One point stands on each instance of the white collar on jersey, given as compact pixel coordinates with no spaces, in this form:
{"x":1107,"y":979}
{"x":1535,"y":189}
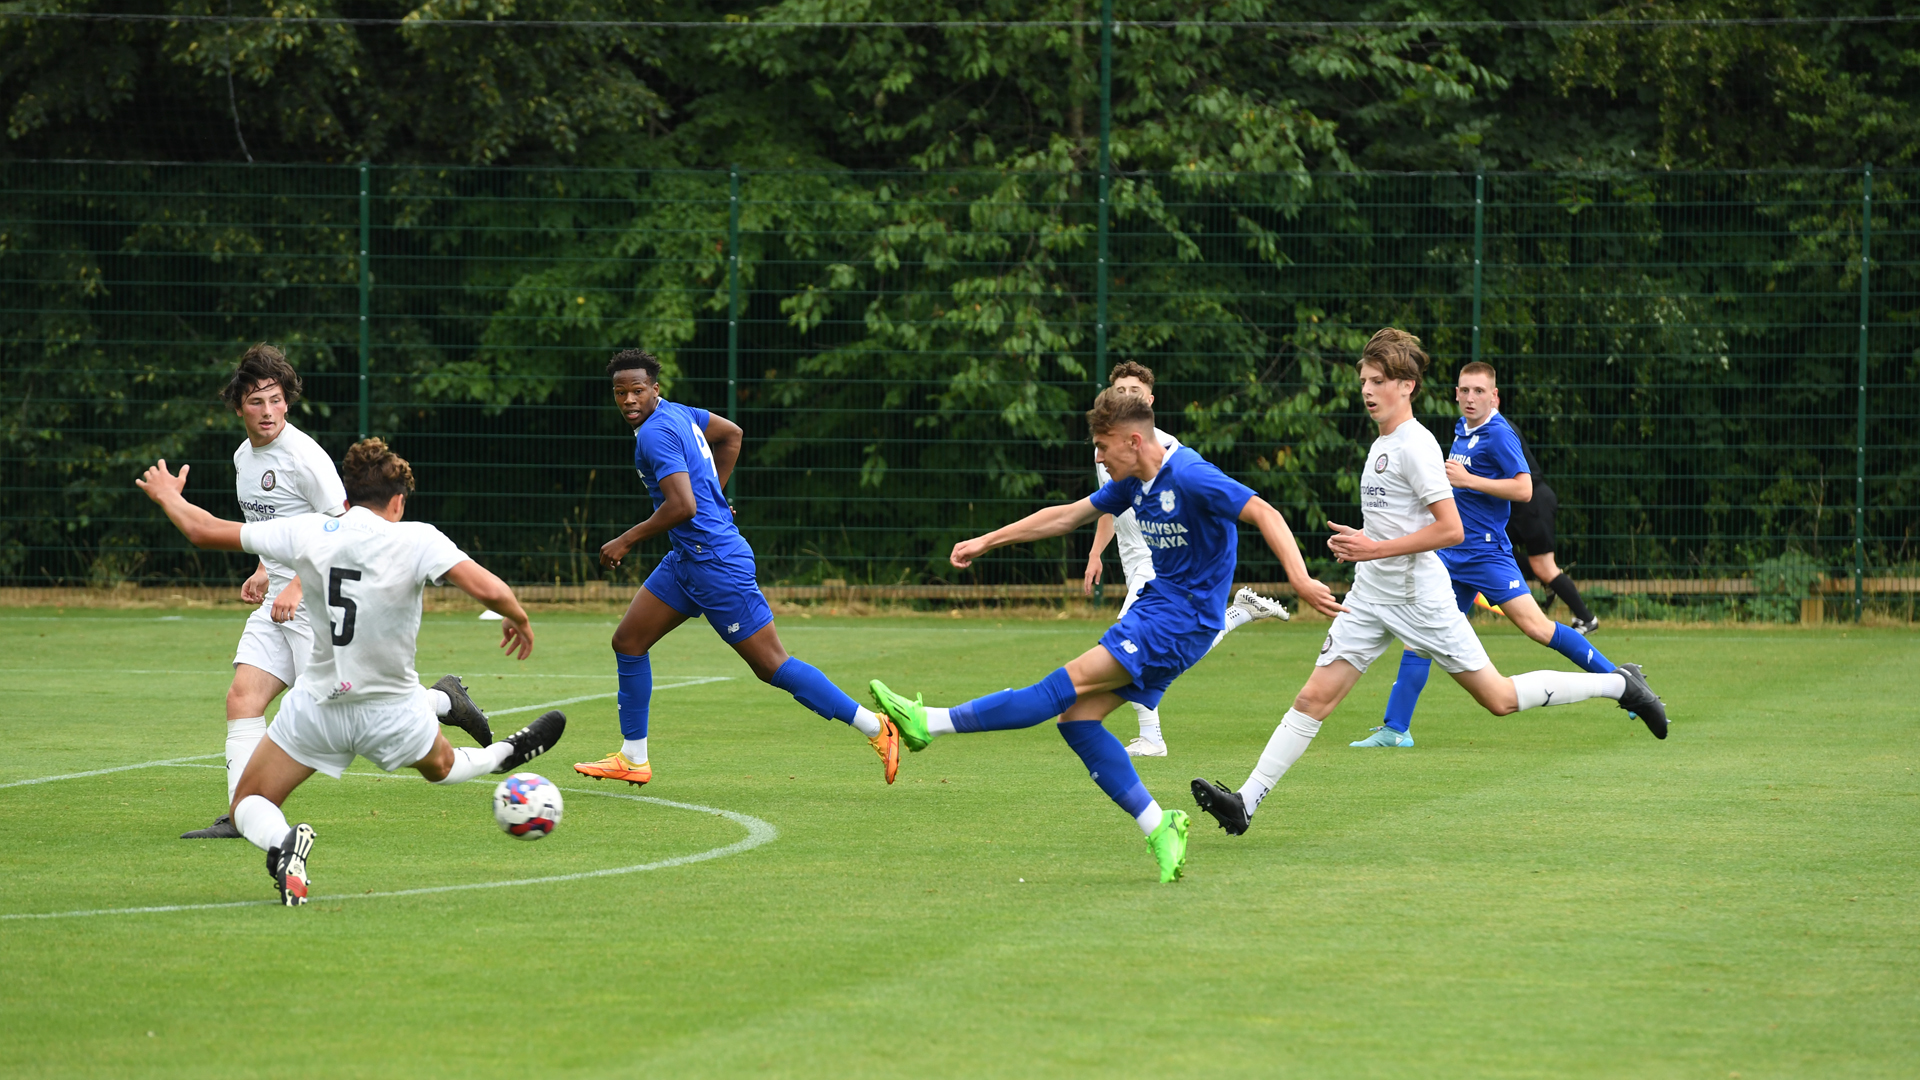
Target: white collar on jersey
{"x":1483,"y":423}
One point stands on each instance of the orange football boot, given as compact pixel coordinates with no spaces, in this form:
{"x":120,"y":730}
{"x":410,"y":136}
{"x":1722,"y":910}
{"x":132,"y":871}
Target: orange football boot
{"x":615,"y":766}
{"x":887,"y":745}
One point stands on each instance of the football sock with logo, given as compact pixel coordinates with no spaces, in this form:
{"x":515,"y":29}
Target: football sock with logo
{"x":472,"y":761}
{"x":1108,"y":764}
{"x":814,"y":690}
{"x":635,"y":696}
{"x":260,"y":822}
{"x":1564,"y":588}
{"x":1568,"y":643}
{"x":1022,"y":708}
{"x":1236,"y":617}
{"x":242,"y":736}
{"x":442,"y":704}
{"x":1149,"y":722}
{"x":1405,"y":694}
{"x":1539,"y":688}
{"x":1289,"y":741}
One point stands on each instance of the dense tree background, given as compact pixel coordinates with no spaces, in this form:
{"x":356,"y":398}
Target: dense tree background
{"x":920,"y":220}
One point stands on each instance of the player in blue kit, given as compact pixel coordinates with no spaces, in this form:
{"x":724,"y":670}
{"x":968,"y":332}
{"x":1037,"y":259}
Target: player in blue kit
{"x":684,"y":456}
{"x":1187,"y":510}
{"x":1489,"y":473}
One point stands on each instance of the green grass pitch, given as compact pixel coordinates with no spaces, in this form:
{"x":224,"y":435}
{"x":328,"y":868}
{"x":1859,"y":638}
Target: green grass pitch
{"x":1553,"y":894}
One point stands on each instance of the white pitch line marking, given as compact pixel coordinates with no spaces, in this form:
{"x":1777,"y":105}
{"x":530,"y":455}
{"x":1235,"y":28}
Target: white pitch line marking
{"x":103,"y":772}
{"x":759,"y":833}
{"x":698,"y":681}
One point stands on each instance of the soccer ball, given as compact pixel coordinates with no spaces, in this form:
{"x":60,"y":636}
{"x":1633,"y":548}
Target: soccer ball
{"x":527,"y":805}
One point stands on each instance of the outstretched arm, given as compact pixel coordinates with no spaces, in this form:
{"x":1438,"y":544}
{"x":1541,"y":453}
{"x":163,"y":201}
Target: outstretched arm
{"x":724,"y":438}
{"x":676,"y":509}
{"x":1273,"y":529}
{"x":1053,"y":521}
{"x":516,"y":633}
{"x":1352,"y":545}
{"x":201,"y":529}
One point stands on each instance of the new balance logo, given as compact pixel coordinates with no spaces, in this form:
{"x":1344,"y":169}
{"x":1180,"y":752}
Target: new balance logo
{"x":733,"y":628}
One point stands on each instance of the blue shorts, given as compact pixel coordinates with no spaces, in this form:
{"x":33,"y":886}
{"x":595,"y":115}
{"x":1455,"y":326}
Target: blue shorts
{"x":722,"y":589}
{"x":1156,"y":641}
{"x":1487,"y":569}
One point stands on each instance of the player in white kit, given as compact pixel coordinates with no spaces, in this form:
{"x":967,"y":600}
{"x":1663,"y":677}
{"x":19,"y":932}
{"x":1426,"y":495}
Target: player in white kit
{"x":1401,"y":590}
{"x":358,"y":694}
{"x":1136,"y":561}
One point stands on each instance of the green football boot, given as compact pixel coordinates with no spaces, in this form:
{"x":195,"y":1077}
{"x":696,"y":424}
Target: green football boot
{"x":909,"y":716}
{"x":1169,"y":845}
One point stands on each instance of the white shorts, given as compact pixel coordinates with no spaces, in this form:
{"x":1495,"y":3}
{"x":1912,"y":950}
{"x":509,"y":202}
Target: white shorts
{"x":279,"y":649}
{"x":325,"y":735}
{"x":1137,"y":578}
{"x":1434,"y":629}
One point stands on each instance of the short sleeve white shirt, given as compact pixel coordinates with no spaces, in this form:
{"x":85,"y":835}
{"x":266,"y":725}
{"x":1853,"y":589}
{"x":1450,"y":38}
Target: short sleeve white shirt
{"x":365,"y":574}
{"x":1405,"y":473}
{"x":1136,"y":559}
{"x":289,"y":476}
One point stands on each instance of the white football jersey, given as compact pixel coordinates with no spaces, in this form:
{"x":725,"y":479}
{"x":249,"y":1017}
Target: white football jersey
{"x":290,"y":475}
{"x":1136,"y":560}
{"x":1405,"y":473}
{"x":360,"y":578}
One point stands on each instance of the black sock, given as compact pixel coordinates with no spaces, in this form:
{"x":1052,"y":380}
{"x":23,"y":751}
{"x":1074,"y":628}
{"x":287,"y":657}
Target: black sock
{"x":1565,"y":589}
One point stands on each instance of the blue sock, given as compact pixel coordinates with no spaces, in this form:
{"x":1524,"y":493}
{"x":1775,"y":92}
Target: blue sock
{"x":1579,"y":650}
{"x":1107,"y":763}
{"x":1405,"y":694}
{"x":1022,"y":708}
{"x":636,"y":692}
{"x":814,"y":690}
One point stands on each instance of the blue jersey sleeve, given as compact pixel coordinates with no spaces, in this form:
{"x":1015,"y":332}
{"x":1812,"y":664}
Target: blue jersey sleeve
{"x":1115,"y":496}
{"x":1507,"y":455}
{"x":661,"y":450}
{"x":1215,"y":492}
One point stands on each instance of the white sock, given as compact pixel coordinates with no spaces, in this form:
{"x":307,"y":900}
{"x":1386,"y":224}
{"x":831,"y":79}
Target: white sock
{"x":1289,"y":741}
{"x":260,"y":822}
{"x":1149,"y":722}
{"x":939,"y":721}
{"x":1149,"y":819}
{"x":242,"y":737}
{"x":442,"y":704}
{"x":472,"y":761}
{"x":866,"y":721}
{"x":634,"y":750}
{"x":1236,"y":617}
{"x":1538,"y":688}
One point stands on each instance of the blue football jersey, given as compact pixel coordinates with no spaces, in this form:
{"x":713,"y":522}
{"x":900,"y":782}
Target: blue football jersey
{"x":674,"y":440}
{"x":1189,"y":516}
{"x":1491,"y":450}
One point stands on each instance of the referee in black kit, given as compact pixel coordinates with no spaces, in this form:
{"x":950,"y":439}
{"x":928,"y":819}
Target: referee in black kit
{"x":1531,"y":527}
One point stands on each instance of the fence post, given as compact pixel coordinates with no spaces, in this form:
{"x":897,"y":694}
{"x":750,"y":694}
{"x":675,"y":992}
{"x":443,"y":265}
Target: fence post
{"x":733,"y":302}
{"x":366,"y":288}
{"x":1106,"y":164}
{"x":1860,"y":433}
{"x":1479,"y":240}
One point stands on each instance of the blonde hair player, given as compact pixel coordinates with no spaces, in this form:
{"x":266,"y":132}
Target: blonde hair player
{"x":1136,"y":560}
{"x":1401,"y":590}
{"x":358,"y":695}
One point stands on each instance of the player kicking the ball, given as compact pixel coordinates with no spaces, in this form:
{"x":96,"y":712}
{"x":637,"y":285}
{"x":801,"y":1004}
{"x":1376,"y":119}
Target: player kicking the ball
{"x":1187,"y":510}
{"x":1401,"y":589}
{"x":1136,"y":561}
{"x":684,"y":456}
{"x":1489,"y":471}
{"x":358,"y":694}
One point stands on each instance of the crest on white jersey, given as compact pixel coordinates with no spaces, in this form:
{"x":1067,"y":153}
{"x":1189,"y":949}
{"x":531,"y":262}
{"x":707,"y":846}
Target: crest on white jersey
{"x":1166,"y":502}
{"x":1380,"y":463}
{"x":266,"y":480}
{"x":332,"y":525}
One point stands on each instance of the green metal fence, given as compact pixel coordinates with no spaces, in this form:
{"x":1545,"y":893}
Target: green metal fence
{"x":1717,"y":370}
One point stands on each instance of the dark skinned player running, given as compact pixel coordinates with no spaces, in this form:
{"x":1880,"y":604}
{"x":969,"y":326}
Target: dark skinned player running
{"x":684,"y":456}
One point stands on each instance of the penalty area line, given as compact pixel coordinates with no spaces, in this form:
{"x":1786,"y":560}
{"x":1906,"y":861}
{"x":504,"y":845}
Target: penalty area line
{"x":759,"y":833}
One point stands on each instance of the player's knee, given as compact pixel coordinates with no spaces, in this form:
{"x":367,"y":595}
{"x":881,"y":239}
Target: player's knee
{"x":435,"y":766}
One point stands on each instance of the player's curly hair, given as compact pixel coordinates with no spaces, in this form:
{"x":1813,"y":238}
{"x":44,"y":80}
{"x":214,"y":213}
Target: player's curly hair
{"x":1112,"y":410}
{"x":1126,"y":368}
{"x":260,"y":365}
{"x":631,"y":359}
{"x":1396,"y":353}
{"x":374,"y":474}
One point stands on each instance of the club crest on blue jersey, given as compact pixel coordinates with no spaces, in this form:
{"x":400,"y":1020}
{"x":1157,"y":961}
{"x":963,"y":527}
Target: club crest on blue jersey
{"x":1166,"y":502}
